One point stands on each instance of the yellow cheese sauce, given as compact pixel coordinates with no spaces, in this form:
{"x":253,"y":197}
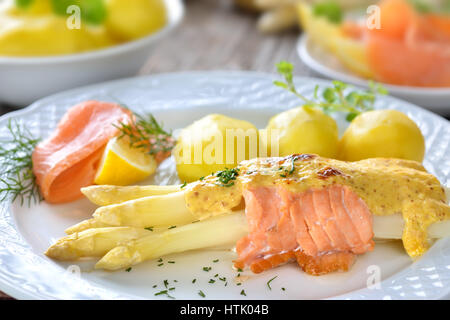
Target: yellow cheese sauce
{"x":38,"y":30}
{"x":387,"y":186}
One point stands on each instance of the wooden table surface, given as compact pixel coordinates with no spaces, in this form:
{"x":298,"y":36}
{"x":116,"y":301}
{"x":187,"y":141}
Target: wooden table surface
{"x":216,"y":36}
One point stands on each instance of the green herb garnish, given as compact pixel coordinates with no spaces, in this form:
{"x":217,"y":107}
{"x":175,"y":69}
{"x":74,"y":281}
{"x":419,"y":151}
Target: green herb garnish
{"x":333,"y":98}
{"x":227,"y":176}
{"x":329,"y":9}
{"x":147,"y":133}
{"x":207,"y":269}
{"x":23,"y":3}
{"x":215,"y":261}
{"x":166,"y":292}
{"x":268,"y":282}
{"x":172,"y":227}
{"x":128,"y":269}
{"x":201,"y":294}
{"x":211,"y":281}
{"x":149,"y":228}
{"x":17,"y":181}
{"x":183,"y":185}
{"x":243,"y":293}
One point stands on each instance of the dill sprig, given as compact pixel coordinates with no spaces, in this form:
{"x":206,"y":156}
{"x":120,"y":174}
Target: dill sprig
{"x":18,"y":181}
{"x":333,"y":98}
{"x":145,"y":132}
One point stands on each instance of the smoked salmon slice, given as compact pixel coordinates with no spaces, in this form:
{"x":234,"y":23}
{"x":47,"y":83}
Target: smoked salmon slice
{"x":322,"y":229}
{"x":68,"y":160}
{"x":410,"y":48}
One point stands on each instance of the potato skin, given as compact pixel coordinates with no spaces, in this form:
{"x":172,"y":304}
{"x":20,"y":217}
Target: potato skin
{"x":304,"y":130}
{"x":382,"y":133}
{"x":195,"y":152}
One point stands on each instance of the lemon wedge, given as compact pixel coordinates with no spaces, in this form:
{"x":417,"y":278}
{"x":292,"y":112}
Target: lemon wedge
{"x":123,"y":165}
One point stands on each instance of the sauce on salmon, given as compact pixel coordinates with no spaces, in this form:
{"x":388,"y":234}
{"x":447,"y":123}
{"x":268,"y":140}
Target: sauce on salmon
{"x":318,"y":211}
{"x":68,"y":160}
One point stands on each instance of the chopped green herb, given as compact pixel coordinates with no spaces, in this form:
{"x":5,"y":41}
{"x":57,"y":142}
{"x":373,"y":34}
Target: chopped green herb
{"x":215,"y":261}
{"x":194,"y":280}
{"x":240,"y":270}
{"x":268,"y":282}
{"x":161,"y":264}
{"x":160,"y":260}
{"x":211,"y":281}
{"x":183,"y":185}
{"x":223,"y":279}
{"x":166,"y":283}
{"x":243,"y":293}
{"x":128,"y":269}
{"x":170,"y":289}
{"x":166,"y":292}
{"x":216,"y":275}
{"x":227,"y":176}
{"x":283,"y":289}
{"x":201,"y":294}
{"x":207,"y":269}
{"x":238,"y":275}
{"x":154,"y":286}
{"x":149,"y":228}
{"x":172,"y":227}
{"x":170,"y":261}
{"x":239,"y":283}
{"x":201,"y":178}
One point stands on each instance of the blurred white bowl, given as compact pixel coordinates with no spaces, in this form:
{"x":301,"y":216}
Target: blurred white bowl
{"x":24,"y":80}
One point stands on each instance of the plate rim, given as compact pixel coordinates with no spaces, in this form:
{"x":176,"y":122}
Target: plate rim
{"x":21,"y":293}
{"x":330,"y":73}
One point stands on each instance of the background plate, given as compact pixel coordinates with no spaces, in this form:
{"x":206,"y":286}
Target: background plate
{"x":177,"y":100}
{"x":326,"y":64}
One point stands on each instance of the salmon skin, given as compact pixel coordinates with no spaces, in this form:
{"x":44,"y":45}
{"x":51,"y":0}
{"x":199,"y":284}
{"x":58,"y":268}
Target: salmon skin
{"x":322,"y":229}
{"x":68,"y":160}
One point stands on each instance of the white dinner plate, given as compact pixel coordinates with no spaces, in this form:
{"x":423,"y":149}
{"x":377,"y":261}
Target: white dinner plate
{"x":177,"y":100}
{"x":327,"y":65}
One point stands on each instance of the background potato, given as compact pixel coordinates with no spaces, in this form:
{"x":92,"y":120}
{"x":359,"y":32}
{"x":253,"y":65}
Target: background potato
{"x":382,"y":133}
{"x":203,"y":147}
{"x":304,"y":130}
{"x":129,"y":20}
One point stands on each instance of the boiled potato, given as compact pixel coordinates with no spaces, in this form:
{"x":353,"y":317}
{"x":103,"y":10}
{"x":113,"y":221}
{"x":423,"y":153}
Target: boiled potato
{"x":129,"y":20}
{"x":214,"y":143}
{"x":48,"y":35}
{"x":303,"y":130}
{"x":382,"y":133}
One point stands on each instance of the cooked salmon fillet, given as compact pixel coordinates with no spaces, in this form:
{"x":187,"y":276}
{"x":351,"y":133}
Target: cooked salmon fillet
{"x":69,"y":158}
{"x":323,"y":229}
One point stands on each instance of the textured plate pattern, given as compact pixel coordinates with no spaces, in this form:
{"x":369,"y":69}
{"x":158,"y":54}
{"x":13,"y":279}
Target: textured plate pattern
{"x":26,"y":273}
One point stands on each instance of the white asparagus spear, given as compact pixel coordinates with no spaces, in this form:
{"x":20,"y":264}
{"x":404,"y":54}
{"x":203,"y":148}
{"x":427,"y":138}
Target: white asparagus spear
{"x":155,"y":211}
{"x":93,"y":242}
{"x":104,"y":195}
{"x":221,"y":230}
{"x":85,"y":225}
